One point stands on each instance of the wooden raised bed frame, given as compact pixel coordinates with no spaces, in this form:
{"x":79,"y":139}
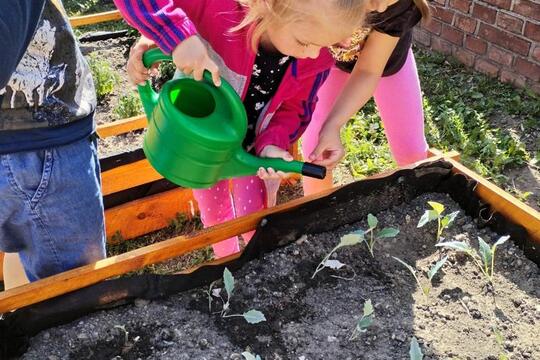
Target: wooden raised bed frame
{"x":154,"y":212}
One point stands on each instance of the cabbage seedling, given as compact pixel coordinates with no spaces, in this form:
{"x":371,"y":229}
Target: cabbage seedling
{"x":346,"y":240}
{"x":365,"y":321}
{"x":436,"y":213}
{"x":484,"y":258}
{"x":426,"y":289}
{"x":384,"y":233}
{"x":249,"y":356}
{"x":251,"y":316}
{"x":415,"y":353}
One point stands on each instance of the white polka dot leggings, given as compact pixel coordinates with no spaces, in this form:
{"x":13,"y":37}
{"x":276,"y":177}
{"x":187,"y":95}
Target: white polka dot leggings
{"x":220,"y":203}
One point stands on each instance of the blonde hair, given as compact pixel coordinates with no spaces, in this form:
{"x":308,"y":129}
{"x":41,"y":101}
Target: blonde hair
{"x":424,"y":8}
{"x":262,"y":13}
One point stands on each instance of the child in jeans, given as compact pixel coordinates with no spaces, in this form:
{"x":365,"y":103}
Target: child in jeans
{"x":51,"y":213}
{"x":272,"y":52}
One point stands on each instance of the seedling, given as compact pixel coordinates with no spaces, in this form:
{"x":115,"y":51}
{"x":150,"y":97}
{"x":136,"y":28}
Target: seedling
{"x":105,"y":78}
{"x":249,"y":356}
{"x":346,"y":240}
{"x":415,"y":352}
{"x":365,"y":321}
{"x":384,"y":233}
{"x":129,"y":105}
{"x":436,"y":213}
{"x":251,"y":316}
{"x":426,"y":289}
{"x":484,"y":258}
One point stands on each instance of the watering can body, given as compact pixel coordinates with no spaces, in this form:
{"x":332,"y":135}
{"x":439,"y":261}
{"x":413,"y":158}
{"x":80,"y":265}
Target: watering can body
{"x":195,"y":132}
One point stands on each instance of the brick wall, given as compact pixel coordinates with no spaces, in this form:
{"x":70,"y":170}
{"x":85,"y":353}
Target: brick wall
{"x":500,"y":38}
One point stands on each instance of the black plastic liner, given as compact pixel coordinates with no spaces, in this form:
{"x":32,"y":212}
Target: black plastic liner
{"x":324,"y":214}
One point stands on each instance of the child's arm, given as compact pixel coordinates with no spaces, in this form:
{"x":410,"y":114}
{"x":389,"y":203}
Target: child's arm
{"x":358,"y":90}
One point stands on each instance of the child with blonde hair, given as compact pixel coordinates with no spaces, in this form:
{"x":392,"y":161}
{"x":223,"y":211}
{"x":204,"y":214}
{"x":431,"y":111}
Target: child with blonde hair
{"x":273,"y":53}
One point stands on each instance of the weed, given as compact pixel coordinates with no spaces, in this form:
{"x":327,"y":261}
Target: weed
{"x":129,"y":105}
{"x":365,"y":321}
{"x":426,"y":289}
{"x":436,"y":213}
{"x":105,"y":79}
{"x":384,"y":233}
{"x":251,"y":316}
{"x":484,"y":258}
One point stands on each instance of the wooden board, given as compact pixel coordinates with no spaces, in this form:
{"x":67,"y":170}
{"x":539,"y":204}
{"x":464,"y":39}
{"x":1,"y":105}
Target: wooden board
{"x":152,"y":213}
{"x":128,"y":176}
{"x":90,"y":274}
{"x":78,"y":21}
{"x":122,"y":126}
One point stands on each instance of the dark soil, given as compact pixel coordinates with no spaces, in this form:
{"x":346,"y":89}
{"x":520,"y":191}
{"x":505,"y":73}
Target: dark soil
{"x":313,"y":318}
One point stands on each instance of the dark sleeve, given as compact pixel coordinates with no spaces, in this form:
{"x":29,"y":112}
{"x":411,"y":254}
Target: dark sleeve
{"x":398,"y":19}
{"x":18,"y":21}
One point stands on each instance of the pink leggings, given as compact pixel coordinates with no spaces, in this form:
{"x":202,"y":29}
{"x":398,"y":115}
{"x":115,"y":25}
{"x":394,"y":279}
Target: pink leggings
{"x":399,"y":102}
{"x":218,"y":204}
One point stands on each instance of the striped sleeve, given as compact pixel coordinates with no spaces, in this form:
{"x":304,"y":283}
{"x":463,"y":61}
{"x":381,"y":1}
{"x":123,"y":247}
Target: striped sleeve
{"x":163,"y":21}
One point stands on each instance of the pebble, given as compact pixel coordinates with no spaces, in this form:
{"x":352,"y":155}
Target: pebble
{"x":82,"y":336}
{"x":141,"y":303}
{"x":331,"y":338}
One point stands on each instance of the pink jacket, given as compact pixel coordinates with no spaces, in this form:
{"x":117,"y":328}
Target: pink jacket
{"x":168,"y":22}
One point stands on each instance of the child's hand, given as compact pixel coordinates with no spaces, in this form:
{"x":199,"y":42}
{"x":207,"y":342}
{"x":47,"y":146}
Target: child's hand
{"x":137,"y":73}
{"x":330,"y":150}
{"x":271,"y":151}
{"x":191,"y":57}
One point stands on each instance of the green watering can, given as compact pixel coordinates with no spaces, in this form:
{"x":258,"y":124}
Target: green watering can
{"x":195,"y":132}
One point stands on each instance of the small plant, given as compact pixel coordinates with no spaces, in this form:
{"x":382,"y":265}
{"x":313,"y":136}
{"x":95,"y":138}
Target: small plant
{"x":346,"y":240}
{"x":249,"y":356}
{"x":499,"y":338}
{"x":384,"y":233}
{"x":365,"y":321}
{"x":251,"y":316}
{"x":484,"y":259}
{"x":426,"y":289}
{"x":415,"y":352}
{"x":105,"y":79}
{"x":129,"y":105}
{"x":436,"y":213}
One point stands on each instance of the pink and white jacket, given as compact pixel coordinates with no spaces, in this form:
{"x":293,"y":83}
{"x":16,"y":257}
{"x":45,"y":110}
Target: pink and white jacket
{"x":168,"y":22}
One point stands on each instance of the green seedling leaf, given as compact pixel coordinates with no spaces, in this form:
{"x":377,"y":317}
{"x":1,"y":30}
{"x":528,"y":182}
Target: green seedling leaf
{"x":367,"y":318}
{"x":438,"y":207}
{"x":334,"y":264}
{"x":228,"y":280}
{"x":351,"y":239}
{"x":249,"y":356}
{"x":428,"y":216}
{"x":485,"y":252}
{"x":254,"y":316}
{"x":431,"y":273}
{"x":415,"y":353}
{"x":411,"y":269}
{"x":501,"y":240}
{"x":388,"y":233}
{"x":372,"y":221}
{"x":456,"y":245}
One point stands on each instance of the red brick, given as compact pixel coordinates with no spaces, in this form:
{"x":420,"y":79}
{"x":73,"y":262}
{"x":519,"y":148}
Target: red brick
{"x":464,"y":57}
{"x":475,"y":44}
{"x":501,"y":4}
{"x":536,"y":53}
{"x":461,"y":5}
{"x":511,"y":78}
{"x":527,"y":8}
{"x":444,"y":15}
{"x":452,"y":34}
{"x":536,"y":88}
{"x":532,"y":31}
{"x":433,"y":26}
{"x":465,"y":23}
{"x":422,"y":37}
{"x":484,"y":13}
{"x":441,"y":46}
{"x":510,"y":23}
{"x":500,"y":56}
{"x":527,"y":68}
{"x":504,"y":39}
{"x":486,"y":67}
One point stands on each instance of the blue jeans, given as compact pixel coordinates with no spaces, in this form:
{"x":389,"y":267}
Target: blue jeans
{"x":51,"y":209}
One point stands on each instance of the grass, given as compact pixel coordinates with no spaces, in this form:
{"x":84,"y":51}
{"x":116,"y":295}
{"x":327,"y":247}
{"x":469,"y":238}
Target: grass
{"x":461,"y":108}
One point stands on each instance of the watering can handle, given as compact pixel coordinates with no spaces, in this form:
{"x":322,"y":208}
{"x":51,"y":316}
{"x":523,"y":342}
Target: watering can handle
{"x":314,"y":171}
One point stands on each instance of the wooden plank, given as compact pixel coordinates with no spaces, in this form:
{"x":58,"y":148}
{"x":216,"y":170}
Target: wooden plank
{"x":90,"y":274}
{"x":78,"y":21}
{"x":149,"y":214}
{"x":503,"y":202}
{"x":128,"y":176}
{"x":122,"y":126}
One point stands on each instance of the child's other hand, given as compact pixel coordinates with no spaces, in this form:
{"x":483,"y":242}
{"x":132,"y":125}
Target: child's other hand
{"x":329,"y":150}
{"x":137,"y":73}
{"x":191,"y":57}
{"x":272,"y":151}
